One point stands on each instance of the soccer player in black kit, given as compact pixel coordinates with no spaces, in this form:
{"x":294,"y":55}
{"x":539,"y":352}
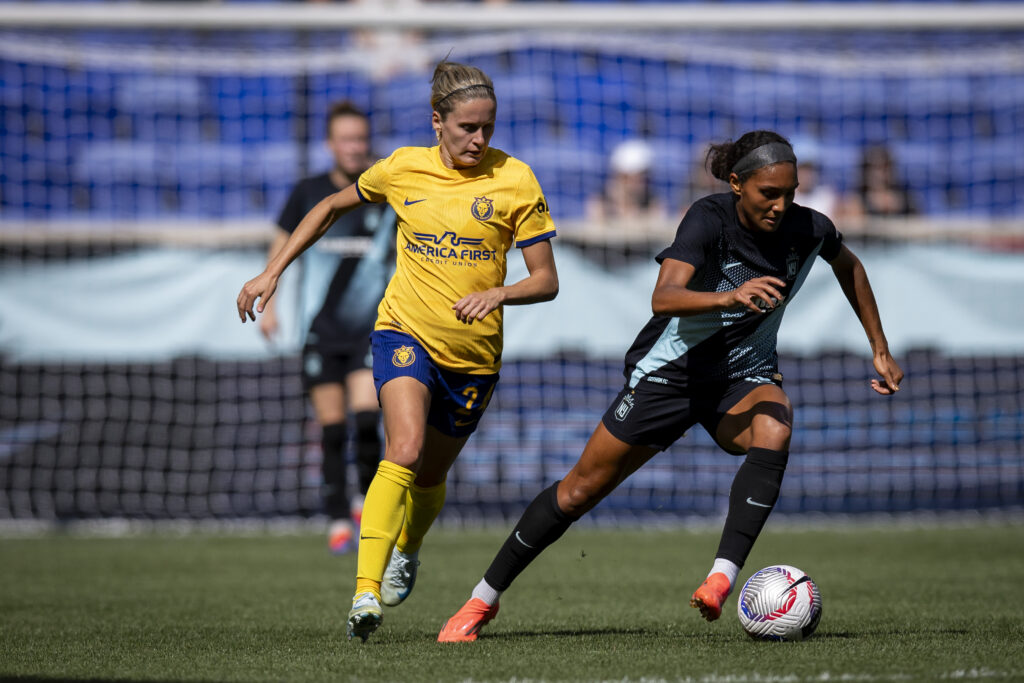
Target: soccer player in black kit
{"x":344,"y":277}
{"x":707,"y":356}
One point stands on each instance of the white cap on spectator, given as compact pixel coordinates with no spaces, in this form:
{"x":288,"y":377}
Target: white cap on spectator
{"x":807,"y":150}
{"x":631,"y":156}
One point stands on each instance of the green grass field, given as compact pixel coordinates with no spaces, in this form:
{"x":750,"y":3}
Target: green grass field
{"x":899,"y":604}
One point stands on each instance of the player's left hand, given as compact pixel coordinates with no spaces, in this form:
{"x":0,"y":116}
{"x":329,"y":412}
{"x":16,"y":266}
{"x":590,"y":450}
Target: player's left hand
{"x":477,"y":305}
{"x":890,"y":372}
{"x":261,"y":287}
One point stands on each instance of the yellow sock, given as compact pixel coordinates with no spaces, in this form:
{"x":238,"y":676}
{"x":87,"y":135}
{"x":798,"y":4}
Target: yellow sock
{"x":383,"y":513}
{"x":422,"y":505}
{"x":368,"y":586}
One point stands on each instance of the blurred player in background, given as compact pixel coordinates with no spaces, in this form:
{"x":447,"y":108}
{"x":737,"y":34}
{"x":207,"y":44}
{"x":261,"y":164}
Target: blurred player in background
{"x":437,"y":344}
{"x":344,"y":277}
{"x":707,"y":356}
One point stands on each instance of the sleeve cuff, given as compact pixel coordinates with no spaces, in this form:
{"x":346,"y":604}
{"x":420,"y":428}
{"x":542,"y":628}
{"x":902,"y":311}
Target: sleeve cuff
{"x":533,"y":240}
{"x":362,"y":197}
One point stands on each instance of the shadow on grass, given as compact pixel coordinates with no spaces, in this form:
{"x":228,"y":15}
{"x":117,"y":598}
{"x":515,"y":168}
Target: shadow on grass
{"x":839,"y":635}
{"x":7,"y":678}
{"x":570,"y":633}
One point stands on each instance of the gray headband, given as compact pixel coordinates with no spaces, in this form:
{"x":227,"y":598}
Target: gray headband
{"x":468,"y":87}
{"x":765,"y":155}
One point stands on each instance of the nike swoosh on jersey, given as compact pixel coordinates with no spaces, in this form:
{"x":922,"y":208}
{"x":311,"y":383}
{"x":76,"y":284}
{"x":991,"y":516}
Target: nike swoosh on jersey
{"x":751,"y":501}
{"x":732,"y":265}
{"x":409,"y":202}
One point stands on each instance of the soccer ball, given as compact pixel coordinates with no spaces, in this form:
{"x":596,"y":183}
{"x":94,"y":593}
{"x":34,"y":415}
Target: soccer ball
{"x":779,"y":603}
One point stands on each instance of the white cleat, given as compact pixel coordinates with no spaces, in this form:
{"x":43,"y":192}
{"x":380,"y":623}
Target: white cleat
{"x":364,"y":617}
{"x":399,"y":577}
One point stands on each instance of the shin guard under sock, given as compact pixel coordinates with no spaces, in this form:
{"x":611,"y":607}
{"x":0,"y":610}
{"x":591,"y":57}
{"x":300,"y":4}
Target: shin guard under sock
{"x":383,"y":513}
{"x":542,"y":524}
{"x":755,"y":489}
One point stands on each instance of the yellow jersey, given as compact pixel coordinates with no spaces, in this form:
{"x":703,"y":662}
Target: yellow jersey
{"x":455,"y":227}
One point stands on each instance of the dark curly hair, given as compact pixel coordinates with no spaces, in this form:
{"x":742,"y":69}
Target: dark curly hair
{"x":722,"y":158}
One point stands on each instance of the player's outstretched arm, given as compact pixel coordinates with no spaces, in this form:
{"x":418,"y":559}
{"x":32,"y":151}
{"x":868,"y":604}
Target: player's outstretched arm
{"x":319,"y":219}
{"x":672,"y":297}
{"x":852,"y":277}
{"x":268,"y":321}
{"x":540,"y":285}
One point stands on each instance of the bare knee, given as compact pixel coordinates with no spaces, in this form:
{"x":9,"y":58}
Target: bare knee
{"x":577,"y":494}
{"x":405,"y":451}
{"x":772,"y":431}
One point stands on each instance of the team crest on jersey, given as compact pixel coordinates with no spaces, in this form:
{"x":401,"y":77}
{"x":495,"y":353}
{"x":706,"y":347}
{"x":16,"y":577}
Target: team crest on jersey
{"x":625,"y":405}
{"x":792,"y":264}
{"x":482,"y":209}
{"x":403,"y":357}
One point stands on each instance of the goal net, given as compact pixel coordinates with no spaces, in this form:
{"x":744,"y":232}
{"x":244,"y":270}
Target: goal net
{"x":141,"y":171}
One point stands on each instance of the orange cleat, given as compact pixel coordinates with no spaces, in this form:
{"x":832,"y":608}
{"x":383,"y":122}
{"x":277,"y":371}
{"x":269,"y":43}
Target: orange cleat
{"x":465,"y":626}
{"x":711,"y":595}
{"x":341,"y":537}
{"x":356,"y":509}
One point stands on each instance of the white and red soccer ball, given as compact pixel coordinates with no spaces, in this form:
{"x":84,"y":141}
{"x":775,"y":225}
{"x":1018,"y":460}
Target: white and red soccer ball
{"x":779,"y":603}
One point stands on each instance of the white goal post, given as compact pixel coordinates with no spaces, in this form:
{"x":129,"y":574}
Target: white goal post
{"x":410,"y":14}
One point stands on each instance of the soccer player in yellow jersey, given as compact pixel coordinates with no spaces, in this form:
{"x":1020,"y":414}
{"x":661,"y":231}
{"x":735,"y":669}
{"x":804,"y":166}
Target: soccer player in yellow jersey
{"x":438,"y":338}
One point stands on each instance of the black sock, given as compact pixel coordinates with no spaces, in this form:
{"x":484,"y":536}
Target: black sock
{"x":542,"y":524}
{"x":333,"y":467}
{"x":751,"y":499}
{"x":367,"y":447}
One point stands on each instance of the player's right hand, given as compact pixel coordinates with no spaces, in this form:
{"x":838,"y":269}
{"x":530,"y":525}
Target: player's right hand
{"x":757,"y":291}
{"x":261,"y":287}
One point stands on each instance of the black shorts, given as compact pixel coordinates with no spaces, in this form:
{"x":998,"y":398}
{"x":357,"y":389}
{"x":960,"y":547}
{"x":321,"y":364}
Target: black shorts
{"x":657,"y":415}
{"x":331,"y":366}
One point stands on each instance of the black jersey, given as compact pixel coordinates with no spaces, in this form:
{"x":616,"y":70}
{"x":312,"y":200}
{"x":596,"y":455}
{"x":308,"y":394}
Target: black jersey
{"x":736,"y":343}
{"x":345,"y":273}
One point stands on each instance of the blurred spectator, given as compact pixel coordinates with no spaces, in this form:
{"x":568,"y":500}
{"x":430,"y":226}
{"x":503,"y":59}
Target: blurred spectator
{"x":394,"y":50}
{"x":879,"y":191}
{"x":701,"y":183}
{"x":812,"y":193}
{"x":627,"y":194}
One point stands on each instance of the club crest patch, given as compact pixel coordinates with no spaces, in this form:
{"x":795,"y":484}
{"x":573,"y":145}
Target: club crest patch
{"x":625,"y":405}
{"x":482,"y":209}
{"x":403,"y":357}
{"x":792,"y":264}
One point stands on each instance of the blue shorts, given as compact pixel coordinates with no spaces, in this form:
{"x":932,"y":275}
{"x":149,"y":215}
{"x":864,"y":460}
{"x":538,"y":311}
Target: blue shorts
{"x":457,"y":400}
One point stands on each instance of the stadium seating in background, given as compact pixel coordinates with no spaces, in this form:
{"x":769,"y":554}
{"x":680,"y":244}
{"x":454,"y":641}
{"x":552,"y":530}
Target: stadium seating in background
{"x":107,"y":124}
